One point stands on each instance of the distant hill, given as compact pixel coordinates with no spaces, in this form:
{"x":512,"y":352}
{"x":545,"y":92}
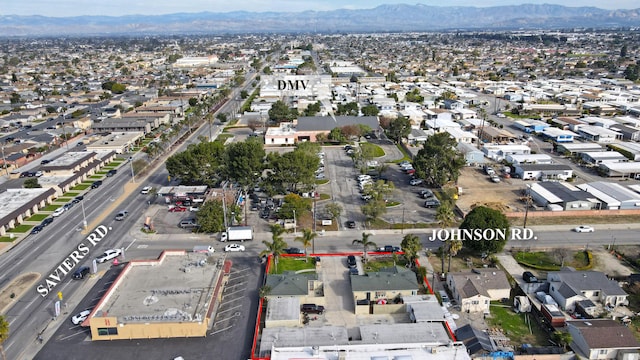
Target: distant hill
{"x":383,"y":18}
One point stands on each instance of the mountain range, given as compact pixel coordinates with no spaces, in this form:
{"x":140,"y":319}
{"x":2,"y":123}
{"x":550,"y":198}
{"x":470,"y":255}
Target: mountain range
{"x":383,"y":18}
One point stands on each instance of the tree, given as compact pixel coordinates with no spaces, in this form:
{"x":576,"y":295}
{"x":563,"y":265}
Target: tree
{"x":222,"y":117}
{"x":193,"y":101}
{"x":313,"y":109}
{"x":439,"y":162}
{"x":306,"y":239}
{"x":411,"y":246}
{"x":277,"y":245}
{"x":399,"y":129}
{"x":281,"y":112}
{"x":4,"y":335}
{"x":210,"y":217}
{"x":454,"y":247}
{"x":370,"y":110}
{"x":562,"y":338}
{"x":366,"y":244}
{"x":373,"y":209}
{"x":414,"y":96}
{"x":350,"y":109}
{"x":31,"y":183}
{"x":482,"y":218}
{"x":294,"y":204}
{"x":446,"y":218}
{"x":292,"y":171}
{"x":244,"y":161}
{"x":199,"y":164}
{"x":334,"y":209}
{"x":244,"y":94}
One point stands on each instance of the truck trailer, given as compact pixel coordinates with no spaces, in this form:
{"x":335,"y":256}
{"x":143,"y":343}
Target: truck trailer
{"x":237,"y":233}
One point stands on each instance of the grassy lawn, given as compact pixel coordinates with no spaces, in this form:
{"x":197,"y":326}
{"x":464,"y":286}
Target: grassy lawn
{"x":51,"y":207}
{"x":292,"y":264}
{"x":553,"y":261}
{"x":374,"y":264}
{"x":370,"y":148}
{"x":380,"y":224}
{"x":22,"y":228}
{"x":96,"y":177}
{"x":37,"y":217}
{"x":72,"y":194}
{"x":322,"y":182}
{"x":223,"y":137}
{"x":515,"y":326}
{"x":6,"y":239}
{"x":80,"y":187}
{"x":63,"y":200}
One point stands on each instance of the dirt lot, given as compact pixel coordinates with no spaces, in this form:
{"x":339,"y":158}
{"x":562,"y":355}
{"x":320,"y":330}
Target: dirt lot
{"x":478,"y":189}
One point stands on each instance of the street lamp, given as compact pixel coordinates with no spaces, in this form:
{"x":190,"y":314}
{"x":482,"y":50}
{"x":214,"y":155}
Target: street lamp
{"x":133,"y":177}
{"x":84,"y":216}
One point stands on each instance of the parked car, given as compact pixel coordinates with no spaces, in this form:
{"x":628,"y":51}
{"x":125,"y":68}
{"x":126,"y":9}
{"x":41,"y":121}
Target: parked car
{"x":415,"y":182}
{"x":351,"y":261}
{"x":188,"y":224}
{"x":584,"y":228}
{"x":389,"y":248}
{"x":495,"y":178}
{"x":178,"y":208}
{"x":194,"y":208}
{"x":121,"y":215}
{"x":77,"y":199}
{"x":59,"y":211}
{"x":68,"y":206}
{"x":96,"y":184}
{"x":234,"y":247}
{"x":312,"y":308}
{"x":109,"y":255}
{"x":81,"y":272}
{"x":351,"y":224}
{"x":46,"y":221}
{"x":36,"y":229}
{"x":38,"y":173}
{"x":44,"y":162}
{"x":425,"y":193}
{"x":528,"y":276}
{"x":81,"y":317}
{"x":431,"y":203}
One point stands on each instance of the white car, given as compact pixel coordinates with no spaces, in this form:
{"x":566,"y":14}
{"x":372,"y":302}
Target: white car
{"x":145,"y":190}
{"x":234,"y":247}
{"x":415,"y":182}
{"x":584,"y":228}
{"x":58,"y":211}
{"x":108,"y":255}
{"x":79,"y":318}
{"x":194,"y":208}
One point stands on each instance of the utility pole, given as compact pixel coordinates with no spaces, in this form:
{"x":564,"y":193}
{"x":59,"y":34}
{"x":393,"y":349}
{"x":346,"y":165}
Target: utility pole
{"x":527,"y":204}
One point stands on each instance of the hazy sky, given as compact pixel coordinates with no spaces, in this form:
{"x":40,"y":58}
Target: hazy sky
{"x":62,"y":8}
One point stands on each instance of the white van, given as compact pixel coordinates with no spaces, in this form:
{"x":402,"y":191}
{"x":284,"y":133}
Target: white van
{"x":203,"y":249}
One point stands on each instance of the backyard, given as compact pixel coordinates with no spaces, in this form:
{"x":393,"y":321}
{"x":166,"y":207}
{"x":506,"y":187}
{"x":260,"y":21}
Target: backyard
{"x":519,"y":328}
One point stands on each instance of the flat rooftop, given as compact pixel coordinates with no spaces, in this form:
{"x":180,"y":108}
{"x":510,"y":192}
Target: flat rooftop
{"x":69,"y":159}
{"x":176,"y":287}
{"x":13,"y":199}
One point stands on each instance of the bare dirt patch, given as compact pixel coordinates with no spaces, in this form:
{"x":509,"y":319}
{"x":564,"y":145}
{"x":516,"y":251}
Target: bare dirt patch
{"x":17,"y":287}
{"x":479,"y":190}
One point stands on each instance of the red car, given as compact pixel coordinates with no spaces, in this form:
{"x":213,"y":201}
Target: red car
{"x":178,"y":209}
{"x":411,"y":172}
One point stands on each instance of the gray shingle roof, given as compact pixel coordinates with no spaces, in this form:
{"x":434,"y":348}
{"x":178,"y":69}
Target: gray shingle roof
{"x":605,"y":334}
{"x":579,"y":281}
{"x":289,"y":284}
{"x":328,"y":123}
{"x":399,"y":279}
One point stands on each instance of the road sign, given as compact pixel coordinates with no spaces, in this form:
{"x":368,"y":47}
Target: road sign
{"x":57,"y":308}
{"x":60,"y":295}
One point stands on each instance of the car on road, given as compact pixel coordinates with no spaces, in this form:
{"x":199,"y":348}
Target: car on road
{"x":111,"y":172}
{"x":389,"y":248}
{"x":38,"y":173}
{"x":81,"y":272}
{"x":294,"y":250}
{"x":27,"y":174}
{"x":36,"y":229}
{"x":59,"y":211}
{"x":495,"y":178}
{"x":46,"y":221}
{"x":584,"y":228}
{"x":415,"y":182}
{"x":77,"y":199}
{"x":79,"y":318}
{"x":312,"y":309}
{"x":177,"y":208}
{"x":351,"y":261}
{"x":234,"y":247}
{"x":121,"y":215}
{"x":351,"y":224}
{"x":96,"y":184}
{"x":44,"y":162}
{"x":145,"y":190}
{"x":109,"y":255}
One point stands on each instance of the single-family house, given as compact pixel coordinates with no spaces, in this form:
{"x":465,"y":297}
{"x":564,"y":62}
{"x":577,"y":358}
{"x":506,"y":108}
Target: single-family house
{"x":461,"y":136}
{"x":517,"y":159}
{"x":304,"y":286}
{"x":383,"y":286}
{"x":471,"y":153}
{"x":602,"y":339}
{"x":473,"y":290}
{"x":569,"y":286}
{"x":499,"y":152}
{"x":530,"y":125}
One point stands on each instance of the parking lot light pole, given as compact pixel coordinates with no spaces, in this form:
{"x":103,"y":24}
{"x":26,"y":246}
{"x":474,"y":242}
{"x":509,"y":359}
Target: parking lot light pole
{"x":84,"y":217}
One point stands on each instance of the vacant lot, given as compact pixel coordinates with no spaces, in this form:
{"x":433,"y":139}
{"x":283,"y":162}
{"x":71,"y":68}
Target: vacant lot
{"x":478,"y":189}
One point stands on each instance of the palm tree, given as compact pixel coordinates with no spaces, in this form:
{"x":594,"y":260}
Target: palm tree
{"x":446,"y":218}
{"x":4,"y":335}
{"x":366,"y":243}
{"x":411,"y":247}
{"x":306,"y":239}
{"x":454,"y":247}
{"x":276,"y":247}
